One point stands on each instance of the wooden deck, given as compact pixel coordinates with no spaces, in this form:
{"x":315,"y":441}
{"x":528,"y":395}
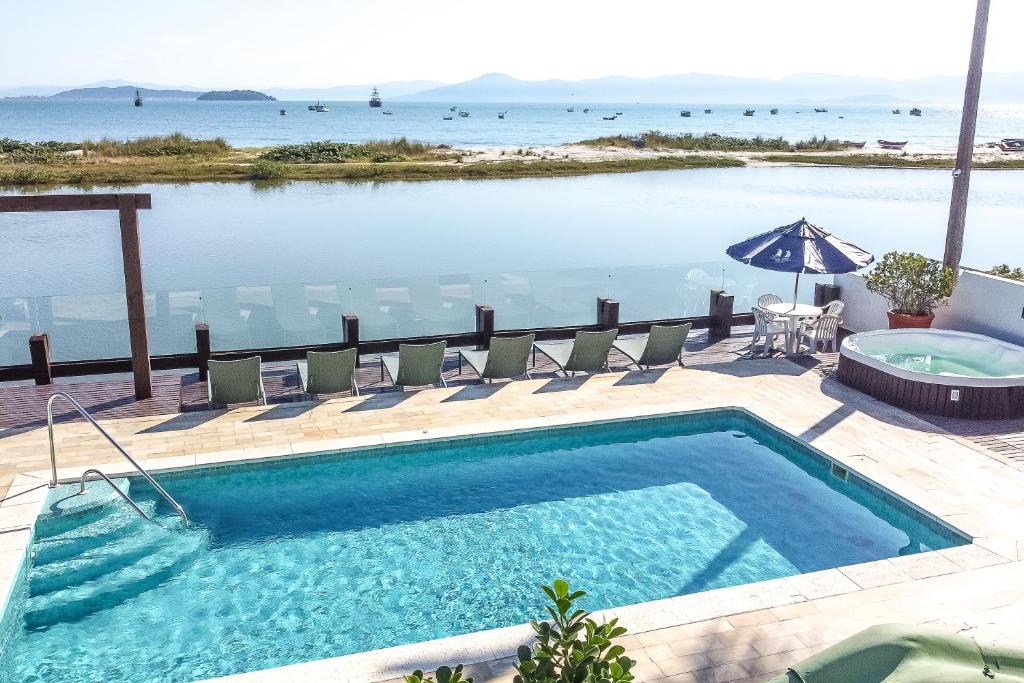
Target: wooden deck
{"x":24,"y":406}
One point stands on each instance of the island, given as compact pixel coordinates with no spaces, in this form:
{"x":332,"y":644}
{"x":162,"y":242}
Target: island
{"x":235,"y":96}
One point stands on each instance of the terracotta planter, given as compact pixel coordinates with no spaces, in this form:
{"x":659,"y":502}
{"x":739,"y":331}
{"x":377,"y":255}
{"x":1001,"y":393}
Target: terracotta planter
{"x":900,"y":321}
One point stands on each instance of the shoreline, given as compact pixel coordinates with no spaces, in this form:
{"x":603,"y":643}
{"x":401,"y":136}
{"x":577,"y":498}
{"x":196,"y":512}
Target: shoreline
{"x":236,"y":165}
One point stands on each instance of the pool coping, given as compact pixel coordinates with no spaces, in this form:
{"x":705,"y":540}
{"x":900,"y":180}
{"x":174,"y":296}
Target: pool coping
{"x":988,"y":545}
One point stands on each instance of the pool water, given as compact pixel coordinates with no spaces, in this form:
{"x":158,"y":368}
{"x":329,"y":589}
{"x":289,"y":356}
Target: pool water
{"x":320,"y":557}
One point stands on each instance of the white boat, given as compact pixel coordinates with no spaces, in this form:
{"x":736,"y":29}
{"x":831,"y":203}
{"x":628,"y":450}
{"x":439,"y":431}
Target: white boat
{"x":464,"y":114}
{"x":318,"y":107}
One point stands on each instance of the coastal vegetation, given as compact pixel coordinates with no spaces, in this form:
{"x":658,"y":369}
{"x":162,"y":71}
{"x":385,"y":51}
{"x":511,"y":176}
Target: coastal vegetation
{"x":378,"y":151}
{"x":869,"y":160}
{"x":1009,"y":273}
{"x":712,"y":142}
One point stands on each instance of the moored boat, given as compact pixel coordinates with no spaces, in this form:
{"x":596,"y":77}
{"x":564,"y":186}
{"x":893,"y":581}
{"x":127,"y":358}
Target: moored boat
{"x":915,"y":112}
{"x":889,"y":144}
{"x":138,"y":99}
{"x":464,"y":114}
{"x":856,"y":145}
{"x":388,"y":112}
{"x":773,"y":112}
{"x":896,"y":111}
{"x":375,"y":100}
{"x":685,"y":114}
{"x":1012,"y":144}
{"x":501,"y":114}
{"x":707,"y":111}
{"x":610,"y":118}
{"x":318,"y":107}
{"x":748,"y":112}
{"x":571,"y":109}
{"x":448,"y":118}
{"x":284,"y":112}
{"x":821,"y":110}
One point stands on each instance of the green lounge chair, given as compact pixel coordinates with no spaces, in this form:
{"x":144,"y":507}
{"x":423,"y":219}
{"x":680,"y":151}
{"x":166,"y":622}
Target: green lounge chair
{"x":587,"y":353}
{"x":415,"y":365}
{"x":235,"y":381}
{"x":506,"y":358}
{"x":328,"y":372}
{"x":662,"y":346}
{"x":897,"y":653}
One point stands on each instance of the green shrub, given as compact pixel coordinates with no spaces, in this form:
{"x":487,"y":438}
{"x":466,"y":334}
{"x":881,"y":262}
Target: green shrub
{"x":442,"y":675}
{"x":28,"y":176}
{"x":330,"y":152}
{"x":1004,"y":270}
{"x":572,"y":647}
{"x":175,"y":144}
{"x":913,"y":284}
{"x":713,"y":142}
{"x":262,"y":169}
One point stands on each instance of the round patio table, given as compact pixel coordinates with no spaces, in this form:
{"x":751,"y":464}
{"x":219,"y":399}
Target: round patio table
{"x":793,"y":313}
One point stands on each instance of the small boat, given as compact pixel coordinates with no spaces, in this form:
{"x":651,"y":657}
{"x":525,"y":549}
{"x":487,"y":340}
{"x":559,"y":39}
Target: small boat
{"x":889,"y":144}
{"x":685,"y":114}
{"x":857,"y":145}
{"x":748,"y":112}
{"x":618,"y":113}
{"x":896,"y":111}
{"x":915,"y":112}
{"x":707,"y":111}
{"x":388,"y":112}
{"x":448,"y":118}
{"x":773,"y":112}
{"x":284,"y":112}
{"x":1012,"y":144}
{"x":820,"y":110}
{"x":375,"y":100}
{"x":609,"y":118}
{"x":571,"y":110}
{"x":464,"y":114}
{"x":501,"y":115}
{"x":586,"y":111}
{"x":452,"y":108}
{"x":138,"y":99}
{"x":318,"y":107}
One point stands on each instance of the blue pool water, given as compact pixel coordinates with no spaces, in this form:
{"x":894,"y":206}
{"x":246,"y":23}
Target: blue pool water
{"x":326,"y":556}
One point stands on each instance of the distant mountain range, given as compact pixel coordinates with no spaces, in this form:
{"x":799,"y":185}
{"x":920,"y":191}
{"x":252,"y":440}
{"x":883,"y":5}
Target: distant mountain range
{"x":682,"y":88}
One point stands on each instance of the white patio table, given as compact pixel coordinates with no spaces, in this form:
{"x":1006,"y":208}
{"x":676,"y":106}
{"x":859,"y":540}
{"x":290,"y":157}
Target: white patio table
{"x":793,"y":313}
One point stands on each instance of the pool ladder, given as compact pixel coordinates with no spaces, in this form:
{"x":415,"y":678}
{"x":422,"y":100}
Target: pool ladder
{"x":145,"y":475}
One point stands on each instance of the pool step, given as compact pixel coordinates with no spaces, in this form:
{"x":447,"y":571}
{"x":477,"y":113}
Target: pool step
{"x":107,"y":590}
{"x":96,"y":532}
{"x":94,"y":562}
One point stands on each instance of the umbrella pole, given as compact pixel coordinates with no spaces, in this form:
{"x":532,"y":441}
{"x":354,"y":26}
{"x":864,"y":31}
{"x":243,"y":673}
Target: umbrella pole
{"x":796,"y":288}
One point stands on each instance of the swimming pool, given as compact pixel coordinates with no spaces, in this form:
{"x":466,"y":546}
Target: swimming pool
{"x":307,"y":558}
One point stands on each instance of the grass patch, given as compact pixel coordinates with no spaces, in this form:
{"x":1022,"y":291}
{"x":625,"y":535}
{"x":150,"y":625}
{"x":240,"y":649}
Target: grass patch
{"x":49,"y":152}
{"x":888,"y":161}
{"x":330,"y":152}
{"x":713,"y":142}
{"x":175,"y":144}
{"x":263,"y":169}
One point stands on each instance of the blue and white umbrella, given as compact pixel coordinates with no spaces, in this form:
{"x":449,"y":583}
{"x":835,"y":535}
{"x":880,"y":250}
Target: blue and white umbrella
{"x":800,"y":248}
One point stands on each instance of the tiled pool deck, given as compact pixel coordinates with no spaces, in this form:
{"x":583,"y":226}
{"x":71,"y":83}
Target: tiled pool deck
{"x":740,"y":633}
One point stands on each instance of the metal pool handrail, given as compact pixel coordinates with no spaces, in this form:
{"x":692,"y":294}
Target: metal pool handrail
{"x":127,"y":498}
{"x":81,"y":411}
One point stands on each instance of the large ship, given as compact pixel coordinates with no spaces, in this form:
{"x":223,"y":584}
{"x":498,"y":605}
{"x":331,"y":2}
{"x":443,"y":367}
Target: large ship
{"x":375,"y":100}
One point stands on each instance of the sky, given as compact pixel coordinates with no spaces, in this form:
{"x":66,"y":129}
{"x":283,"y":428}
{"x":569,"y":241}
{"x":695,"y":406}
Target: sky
{"x":319,"y":43}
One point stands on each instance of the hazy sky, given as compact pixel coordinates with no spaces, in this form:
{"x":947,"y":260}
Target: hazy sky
{"x":268,"y":43}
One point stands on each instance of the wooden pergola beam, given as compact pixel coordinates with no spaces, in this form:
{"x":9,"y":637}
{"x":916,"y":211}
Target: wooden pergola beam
{"x":127,"y":207}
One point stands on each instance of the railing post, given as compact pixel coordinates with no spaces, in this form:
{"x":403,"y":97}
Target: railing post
{"x":484,"y":326}
{"x":825,"y":294}
{"x":350,"y":332}
{"x":203,"y":349}
{"x":39,"y":350}
{"x":607,"y":313}
{"x":720,"y":311}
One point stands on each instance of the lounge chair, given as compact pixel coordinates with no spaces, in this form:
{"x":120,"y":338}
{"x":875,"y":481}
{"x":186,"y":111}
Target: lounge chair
{"x":662,"y":346}
{"x":415,"y":365}
{"x":896,"y":653}
{"x":235,"y":381}
{"x":505,"y":359}
{"x":587,"y":353}
{"x":328,"y":372}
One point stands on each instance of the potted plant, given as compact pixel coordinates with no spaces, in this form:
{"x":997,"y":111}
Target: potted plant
{"x":914,"y":286}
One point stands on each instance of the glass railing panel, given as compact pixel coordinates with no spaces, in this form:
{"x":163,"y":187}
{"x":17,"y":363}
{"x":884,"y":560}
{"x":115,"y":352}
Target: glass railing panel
{"x":661,"y":292}
{"x":18,"y":319}
{"x":548,"y":298}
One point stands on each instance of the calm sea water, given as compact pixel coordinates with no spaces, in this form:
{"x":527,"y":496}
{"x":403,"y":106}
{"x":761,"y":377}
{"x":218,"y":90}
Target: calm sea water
{"x":259,"y":123}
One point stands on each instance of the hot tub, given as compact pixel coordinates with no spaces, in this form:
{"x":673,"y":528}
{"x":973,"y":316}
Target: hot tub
{"x":942,"y":372}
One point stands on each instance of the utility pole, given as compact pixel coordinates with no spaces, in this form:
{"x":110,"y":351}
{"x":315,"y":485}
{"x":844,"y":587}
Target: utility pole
{"x":965,"y":149}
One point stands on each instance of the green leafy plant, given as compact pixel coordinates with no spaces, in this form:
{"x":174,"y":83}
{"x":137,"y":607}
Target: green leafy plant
{"x":913,"y":284}
{"x":1006,"y":271}
{"x":572,"y":647}
{"x":262,"y":169}
{"x":442,"y":675}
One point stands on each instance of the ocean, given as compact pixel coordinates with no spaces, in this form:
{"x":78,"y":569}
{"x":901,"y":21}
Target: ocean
{"x":251,"y":124}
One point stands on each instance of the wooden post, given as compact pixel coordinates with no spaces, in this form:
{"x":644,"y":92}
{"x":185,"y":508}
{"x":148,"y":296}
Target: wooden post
{"x":131,"y":252}
{"x":203,"y":350}
{"x":965,"y":148}
{"x":350,"y":333}
{"x":39,"y":350}
{"x":484,"y":326}
{"x":824,"y":294}
{"x":607,"y":313}
{"x":720,"y":310}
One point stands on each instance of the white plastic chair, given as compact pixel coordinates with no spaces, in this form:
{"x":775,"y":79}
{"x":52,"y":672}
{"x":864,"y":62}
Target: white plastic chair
{"x":824,"y":330}
{"x":766,"y":300}
{"x":767,"y":329}
{"x":835,"y":308}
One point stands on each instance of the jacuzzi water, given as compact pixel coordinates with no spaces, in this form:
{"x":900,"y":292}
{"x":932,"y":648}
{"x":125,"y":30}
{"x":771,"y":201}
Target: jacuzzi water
{"x":320,"y":557}
{"x":938,"y":352}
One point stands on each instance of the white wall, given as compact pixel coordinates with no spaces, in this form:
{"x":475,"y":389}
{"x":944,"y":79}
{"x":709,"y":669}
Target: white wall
{"x":981,"y":303}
